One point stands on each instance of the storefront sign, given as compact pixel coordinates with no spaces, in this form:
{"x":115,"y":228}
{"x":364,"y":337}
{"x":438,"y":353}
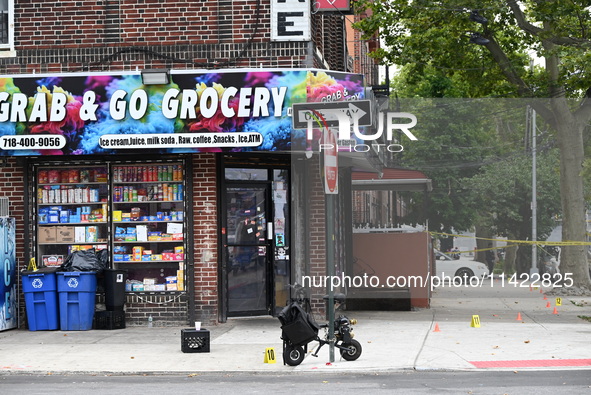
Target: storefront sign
{"x":135,"y":105}
{"x":8,"y":275}
{"x":332,"y":5}
{"x":290,"y":20}
{"x":359,"y":110}
{"x":88,"y":114}
{"x":331,"y":165}
{"x":181,"y":140}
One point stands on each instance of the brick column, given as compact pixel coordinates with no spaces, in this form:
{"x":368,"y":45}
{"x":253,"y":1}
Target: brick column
{"x":205,"y":237}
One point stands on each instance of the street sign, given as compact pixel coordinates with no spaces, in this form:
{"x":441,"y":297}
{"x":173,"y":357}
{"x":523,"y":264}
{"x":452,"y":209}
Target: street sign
{"x":331,"y":165}
{"x":359,"y":110}
{"x":332,"y":5}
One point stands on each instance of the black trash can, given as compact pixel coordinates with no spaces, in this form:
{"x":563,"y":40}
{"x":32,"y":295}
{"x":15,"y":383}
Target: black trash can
{"x":114,"y":282}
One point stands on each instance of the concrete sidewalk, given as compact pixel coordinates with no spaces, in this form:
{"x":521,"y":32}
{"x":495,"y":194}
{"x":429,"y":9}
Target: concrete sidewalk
{"x":391,"y":341}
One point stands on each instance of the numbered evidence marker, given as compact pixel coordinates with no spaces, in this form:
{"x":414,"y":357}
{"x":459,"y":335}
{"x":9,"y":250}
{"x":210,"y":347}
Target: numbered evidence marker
{"x":558,"y":301}
{"x":270,"y":355}
{"x":475,"y":321}
{"x":32,"y":265}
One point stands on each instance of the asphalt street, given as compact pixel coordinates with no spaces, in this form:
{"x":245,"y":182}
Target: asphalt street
{"x":576,"y":382}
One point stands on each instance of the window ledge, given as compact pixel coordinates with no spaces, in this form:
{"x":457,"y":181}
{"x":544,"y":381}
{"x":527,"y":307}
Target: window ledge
{"x":7,"y":53}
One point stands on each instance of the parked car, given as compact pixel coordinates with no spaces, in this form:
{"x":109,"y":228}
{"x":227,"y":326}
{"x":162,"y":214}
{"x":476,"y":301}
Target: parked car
{"x":447,"y":266}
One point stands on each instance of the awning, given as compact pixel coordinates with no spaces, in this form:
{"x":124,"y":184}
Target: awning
{"x":391,"y":179}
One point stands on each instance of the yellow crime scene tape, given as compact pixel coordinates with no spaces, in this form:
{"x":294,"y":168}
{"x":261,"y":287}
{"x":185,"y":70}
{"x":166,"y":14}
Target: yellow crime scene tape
{"x":528,"y":242}
{"x":492,"y":248}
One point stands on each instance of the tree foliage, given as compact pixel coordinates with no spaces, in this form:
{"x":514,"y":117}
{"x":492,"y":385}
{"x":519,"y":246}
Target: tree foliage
{"x":488,"y":46}
{"x":457,"y":137}
{"x":504,"y":190}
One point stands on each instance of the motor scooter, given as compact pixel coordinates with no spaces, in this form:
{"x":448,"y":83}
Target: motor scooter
{"x":299,"y":329}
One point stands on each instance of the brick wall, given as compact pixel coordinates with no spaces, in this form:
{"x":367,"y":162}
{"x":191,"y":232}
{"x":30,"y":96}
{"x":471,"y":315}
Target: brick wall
{"x":205,"y":224}
{"x":165,"y":310}
{"x":179,"y":57}
{"x":359,"y":50}
{"x":12,"y":186}
{"x":77,"y":24}
{"x":73,"y":36}
{"x":316,"y":232}
{"x":328,"y":33}
{"x":333,"y":36}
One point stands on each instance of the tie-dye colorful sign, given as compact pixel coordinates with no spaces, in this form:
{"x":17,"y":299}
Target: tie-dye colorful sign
{"x":8,"y":275}
{"x":98,"y":114}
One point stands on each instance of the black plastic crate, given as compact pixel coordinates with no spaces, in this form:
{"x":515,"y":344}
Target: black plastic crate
{"x":194,"y":340}
{"x":109,"y":319}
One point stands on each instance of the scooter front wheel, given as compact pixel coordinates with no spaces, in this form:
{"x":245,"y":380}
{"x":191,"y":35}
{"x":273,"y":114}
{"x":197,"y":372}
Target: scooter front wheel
{"x":293,"y":355}
{"x":352,"y":352}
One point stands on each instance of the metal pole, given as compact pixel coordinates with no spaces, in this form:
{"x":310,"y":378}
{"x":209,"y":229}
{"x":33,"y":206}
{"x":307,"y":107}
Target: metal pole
{"x":330,"y":243}
{"x":534,"y":199}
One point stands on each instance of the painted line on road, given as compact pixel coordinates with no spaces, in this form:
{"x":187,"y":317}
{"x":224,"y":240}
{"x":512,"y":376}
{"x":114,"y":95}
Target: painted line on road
{"x":533,"y":363}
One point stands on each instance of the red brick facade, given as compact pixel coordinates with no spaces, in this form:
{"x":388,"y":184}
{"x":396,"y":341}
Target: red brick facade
{"x":317,"y":237}
{"x":205,"y":228}
{"x":72,"y":36}
{"x":112,"y":35}
{"x":12,"y":186}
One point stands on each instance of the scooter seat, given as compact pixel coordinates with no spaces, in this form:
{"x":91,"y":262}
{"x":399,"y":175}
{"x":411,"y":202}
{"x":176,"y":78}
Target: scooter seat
{"x":338,"y":297}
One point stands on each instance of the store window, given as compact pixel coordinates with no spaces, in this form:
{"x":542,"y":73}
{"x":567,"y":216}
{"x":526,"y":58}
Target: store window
{"x":247,"y":174}
{"x":7,"y":24}
{"x":135,"y":210}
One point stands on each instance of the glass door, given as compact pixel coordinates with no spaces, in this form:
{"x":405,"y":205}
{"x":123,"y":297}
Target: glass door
{"x":247,"y":249}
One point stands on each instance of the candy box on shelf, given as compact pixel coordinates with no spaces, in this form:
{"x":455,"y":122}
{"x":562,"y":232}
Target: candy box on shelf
{"x":65,"y":234}
{"x":91,"y":234}
{"x":117,"y":215}
{"x":120,"y":249}
{"x":47,"y":234}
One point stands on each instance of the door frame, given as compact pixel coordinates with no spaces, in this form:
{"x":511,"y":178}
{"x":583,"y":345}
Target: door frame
{"x":245,"y":161}
{"x":226,"y":270}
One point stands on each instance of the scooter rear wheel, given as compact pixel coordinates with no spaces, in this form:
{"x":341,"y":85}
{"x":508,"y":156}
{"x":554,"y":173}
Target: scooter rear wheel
{"x":293,"y":355}
{"x":353,"y":350}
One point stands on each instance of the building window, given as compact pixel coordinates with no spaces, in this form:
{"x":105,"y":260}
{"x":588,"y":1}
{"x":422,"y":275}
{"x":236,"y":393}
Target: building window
{"x":7,"y":24}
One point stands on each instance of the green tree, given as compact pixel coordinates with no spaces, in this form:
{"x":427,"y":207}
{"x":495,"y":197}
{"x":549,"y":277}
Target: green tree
{"x":492,"y":40}
{"x":504,"y":190}
{"x":456,"y":140}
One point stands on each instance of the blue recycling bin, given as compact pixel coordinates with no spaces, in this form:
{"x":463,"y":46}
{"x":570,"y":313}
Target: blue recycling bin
{"x":40,"y":292}
{"x":77,"y":293}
